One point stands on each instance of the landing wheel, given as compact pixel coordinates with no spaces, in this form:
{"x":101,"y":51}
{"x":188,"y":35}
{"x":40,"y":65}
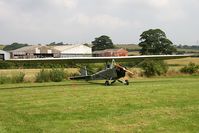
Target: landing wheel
{"x":107,"y":83}
{"x":126,"y":82}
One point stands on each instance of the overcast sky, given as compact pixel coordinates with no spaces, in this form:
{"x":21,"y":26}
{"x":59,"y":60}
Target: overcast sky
{"x":80,"y":21}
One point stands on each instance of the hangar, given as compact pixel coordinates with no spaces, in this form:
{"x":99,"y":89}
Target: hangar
{"x":34,"y":51}
{"x":4,"y":55}
{"x":74,"y":50}
{"x":39,"y":51}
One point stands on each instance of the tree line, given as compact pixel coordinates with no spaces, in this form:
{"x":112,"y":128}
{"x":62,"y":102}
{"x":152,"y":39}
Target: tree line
{"x":187,"y":47}
{"x":152,"y":41}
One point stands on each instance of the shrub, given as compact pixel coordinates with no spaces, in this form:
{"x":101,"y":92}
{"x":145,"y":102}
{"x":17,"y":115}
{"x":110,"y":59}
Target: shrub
{"x":173,"y":72}
{"x":57,"y":75}
{"x":190,"y":68}
{"x":6,"y":65}
{"x":154,"y":67}
{"x":43,"y":76}
{"x":4,"y":79}
{"x":18,"y":78}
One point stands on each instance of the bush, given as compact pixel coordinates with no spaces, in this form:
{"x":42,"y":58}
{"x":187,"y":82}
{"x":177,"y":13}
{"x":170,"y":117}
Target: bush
{"x":43,"y":76}
{"x":154,"y":67}
{"x":6,"y":65}
{"x":18,"y":78}
{"x":4,"y":79}
{"x":57,"y":75}
{"x":190,"y":68}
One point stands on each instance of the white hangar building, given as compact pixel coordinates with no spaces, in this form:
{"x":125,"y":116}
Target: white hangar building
{"x":34,"y":51}
{"x":74,"y":50}
{"x":39,"y":51}
{"x":4,"y":55}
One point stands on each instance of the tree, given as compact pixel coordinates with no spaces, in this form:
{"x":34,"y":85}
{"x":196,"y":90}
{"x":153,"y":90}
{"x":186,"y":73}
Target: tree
{"x":154,"y":41}
{"x":154,"y":67}
{"x":55,"y":44}
{"x":102,"y":42}
{"x":191,"y":68}
{"x":14,"y":46}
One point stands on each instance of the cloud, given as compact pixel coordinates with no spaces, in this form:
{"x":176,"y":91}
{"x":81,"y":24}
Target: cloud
{"x":101,"y":21}
{"x":3,"y":12}
{"x":164,"y":10}
{"x":69,"y":4}
{"x":118,"y":2}
{"x":72,"y":20}
{"x":159,"y":3}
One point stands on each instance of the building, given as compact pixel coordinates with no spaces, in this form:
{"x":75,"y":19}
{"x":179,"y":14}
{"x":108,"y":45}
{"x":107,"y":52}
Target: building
{"x":74,"y":50}
{"x":35,"y":51}
{"x":110,"y":52}
{"x":4,"y":55}
{"x":39,"y":51}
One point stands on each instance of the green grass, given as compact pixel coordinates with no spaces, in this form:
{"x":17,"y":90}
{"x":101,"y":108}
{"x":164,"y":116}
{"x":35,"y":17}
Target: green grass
{"x":183,"y":61}
{"x":146,"y":105}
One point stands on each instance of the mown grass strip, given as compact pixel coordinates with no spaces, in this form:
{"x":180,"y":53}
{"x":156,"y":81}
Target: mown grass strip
{"x":146,"y":105}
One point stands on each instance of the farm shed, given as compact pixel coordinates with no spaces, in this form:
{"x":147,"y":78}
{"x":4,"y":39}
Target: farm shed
{"x":110,"y":52}
{"x":74,"y":50}
{"x":34,"y":51}
{"x":4,"y":55}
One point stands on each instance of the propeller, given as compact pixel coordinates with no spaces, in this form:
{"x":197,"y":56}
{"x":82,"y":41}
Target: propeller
{"x":125,"y":69}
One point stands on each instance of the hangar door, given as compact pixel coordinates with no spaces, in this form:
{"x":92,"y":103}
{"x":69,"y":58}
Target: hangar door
{"x":1,"y":56}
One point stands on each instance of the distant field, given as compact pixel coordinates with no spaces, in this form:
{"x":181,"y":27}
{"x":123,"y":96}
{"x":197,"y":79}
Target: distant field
{"x":1,"y":47}
{"x":134,"y":53}
{"x":190,"y":50}
{"x":182,"y":62}
{"x":128,"y":46}
{"x":147,"y":105}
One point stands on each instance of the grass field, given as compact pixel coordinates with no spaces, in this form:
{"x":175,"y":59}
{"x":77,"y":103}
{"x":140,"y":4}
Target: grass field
{"x":128,"y":46}
{"x":183,"y":61}
{"x":189,"y":50}
{"x":146,"y":105}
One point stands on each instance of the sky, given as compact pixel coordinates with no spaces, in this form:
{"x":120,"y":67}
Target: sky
{"x":81,"y":21}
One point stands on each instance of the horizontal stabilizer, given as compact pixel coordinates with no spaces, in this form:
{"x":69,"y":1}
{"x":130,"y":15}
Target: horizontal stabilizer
{"x":80,"y":78}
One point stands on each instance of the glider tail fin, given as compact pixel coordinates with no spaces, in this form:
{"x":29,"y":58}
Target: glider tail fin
{"x":84,"y":71}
